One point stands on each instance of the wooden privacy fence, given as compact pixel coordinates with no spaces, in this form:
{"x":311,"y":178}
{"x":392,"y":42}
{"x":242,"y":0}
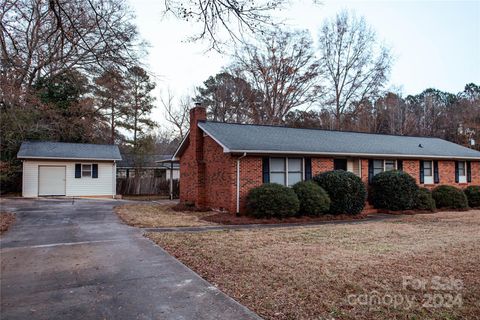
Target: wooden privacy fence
{"x":147,"y":186}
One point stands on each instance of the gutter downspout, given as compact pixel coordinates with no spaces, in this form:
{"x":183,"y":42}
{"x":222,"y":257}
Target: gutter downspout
{"x":238,"y":181}
{"x":171,"y":180}
{"x":114,"y":178}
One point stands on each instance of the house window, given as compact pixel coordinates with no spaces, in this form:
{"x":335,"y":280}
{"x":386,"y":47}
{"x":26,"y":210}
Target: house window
{"x":383,"y":165}
{"x":86,"y":170}
{"x":390,"y":165}
{"x":277,"y":170}
{"x":286,"y":171}
{"x":295,"y":170}
{"x":377,"y":166}
{"x":356,"y":167}
{"x":462,"y":172}
{"x":428,"y":172}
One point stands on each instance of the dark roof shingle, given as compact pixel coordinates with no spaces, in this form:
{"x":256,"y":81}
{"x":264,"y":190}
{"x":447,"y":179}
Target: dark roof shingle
{"x":276,"y":139}
{"x":146,"y":161}
{"x":64,"y":150}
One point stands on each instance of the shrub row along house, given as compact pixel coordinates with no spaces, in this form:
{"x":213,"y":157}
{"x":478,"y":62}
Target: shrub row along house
{"x":221,"y":162}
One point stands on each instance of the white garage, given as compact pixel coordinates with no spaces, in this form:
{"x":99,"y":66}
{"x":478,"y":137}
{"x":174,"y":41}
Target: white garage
{"x":68,"y":169}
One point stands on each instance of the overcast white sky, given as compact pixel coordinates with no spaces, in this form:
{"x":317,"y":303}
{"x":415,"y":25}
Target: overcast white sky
{"x":435,"y":43}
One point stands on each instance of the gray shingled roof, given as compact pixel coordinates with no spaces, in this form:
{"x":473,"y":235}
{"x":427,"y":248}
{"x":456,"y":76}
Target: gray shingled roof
{"x":275,"y":139}
{"x":63,"y":150}
{"x":146,"y":161}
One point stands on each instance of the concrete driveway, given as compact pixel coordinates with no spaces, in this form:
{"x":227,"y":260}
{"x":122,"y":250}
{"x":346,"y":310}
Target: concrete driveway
{"x":64,"y":260}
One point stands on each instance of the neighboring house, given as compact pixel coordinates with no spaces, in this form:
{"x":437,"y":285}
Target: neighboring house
{"x":151,"y":165}
{"x":221,"y":162}
{"x":68,"y":169}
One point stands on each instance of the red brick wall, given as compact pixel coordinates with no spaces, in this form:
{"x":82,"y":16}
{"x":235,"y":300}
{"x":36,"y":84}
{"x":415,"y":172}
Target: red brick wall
{"x":320,"y":165}
{"x":187,"y":176}
{"x":446,"y":172}
{"x":219,"y":176}
{"x":192,"y":165}
{"x":412,"y":167}
{"x":250,"y":177}
{"x":476,"y":173}
{"x":364,"y":173}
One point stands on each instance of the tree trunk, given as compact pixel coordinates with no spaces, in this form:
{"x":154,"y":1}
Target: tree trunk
{"x":112,"y":137}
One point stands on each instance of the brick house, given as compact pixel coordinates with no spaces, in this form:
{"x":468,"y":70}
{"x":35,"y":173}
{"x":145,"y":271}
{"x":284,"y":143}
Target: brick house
{"x":221,"y":162}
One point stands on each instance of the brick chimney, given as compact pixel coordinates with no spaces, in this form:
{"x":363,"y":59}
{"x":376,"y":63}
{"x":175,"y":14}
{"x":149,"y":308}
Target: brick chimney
{"x":198,"y":113}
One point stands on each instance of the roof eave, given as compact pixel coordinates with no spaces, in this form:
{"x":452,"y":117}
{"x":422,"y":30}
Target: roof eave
{"x":68,"y":158}
{"x":178,"y":152}
{"x":405,"y":156}
{"x":180,"y":147}
{"x":225,"y":148}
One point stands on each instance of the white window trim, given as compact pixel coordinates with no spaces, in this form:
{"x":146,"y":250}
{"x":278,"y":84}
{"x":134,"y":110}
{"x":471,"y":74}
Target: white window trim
{"x":353,"y":161}
{"x":385,"y":164}
{"x":286,"y":168}
{"x":359,"y":167}
{"x":428,"y":179}
{"x":91,"y":170}
{"x":462,"y":179}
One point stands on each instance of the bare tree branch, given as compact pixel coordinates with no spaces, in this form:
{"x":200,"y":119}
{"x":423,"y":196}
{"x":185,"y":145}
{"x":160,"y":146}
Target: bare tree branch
{"x":353,"y":65}
{"x":176,"y":114}
{"x":233,"y":17}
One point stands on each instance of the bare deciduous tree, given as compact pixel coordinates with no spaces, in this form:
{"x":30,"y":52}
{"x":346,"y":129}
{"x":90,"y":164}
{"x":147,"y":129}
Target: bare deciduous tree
{"x":233,"y":17}
{"x":45,"y":38}
{"x":177,"y":114}
{"x":353,"y":65}
{"x":283,"y":69}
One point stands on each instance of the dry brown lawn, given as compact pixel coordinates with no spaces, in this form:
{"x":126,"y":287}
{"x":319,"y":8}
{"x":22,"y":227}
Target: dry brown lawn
{"x":6,"y":220}
{"x":326,"y":272}
{"x":158,"y":215}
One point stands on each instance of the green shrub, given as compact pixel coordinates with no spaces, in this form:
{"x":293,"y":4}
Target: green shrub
{"x":424,"y":200}
{"x":346,"y":191}
{"x":449,"y":197}
{"x":313,"y":199}
{"x":272,"y":200}
{"x":473,"y":196}
{"x":393,"y":190}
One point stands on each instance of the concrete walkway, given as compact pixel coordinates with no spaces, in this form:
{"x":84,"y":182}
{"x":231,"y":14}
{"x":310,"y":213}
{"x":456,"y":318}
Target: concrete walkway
{"x":64,"y":260}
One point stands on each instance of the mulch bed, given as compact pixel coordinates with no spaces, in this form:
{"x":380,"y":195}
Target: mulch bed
{"x":412,"y":212}
{"x":6,"y":219}
{"x":182,"y":207}
{"x":407,"y":212}
{"x":232,"y":219}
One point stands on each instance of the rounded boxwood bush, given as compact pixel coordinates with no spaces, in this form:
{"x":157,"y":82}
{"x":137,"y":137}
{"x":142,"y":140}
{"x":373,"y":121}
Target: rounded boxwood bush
{"x":393,"y":190}
{"x":272,"y":200}
{"x":473,"y":196}
{"x":449,"y":197}
{"x":313,"y":199}
{"x":346,"y":191}
{"x":424,"y":200}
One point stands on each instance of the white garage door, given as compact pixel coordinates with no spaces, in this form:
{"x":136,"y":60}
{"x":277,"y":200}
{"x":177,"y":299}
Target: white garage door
{"x":51,"y":181}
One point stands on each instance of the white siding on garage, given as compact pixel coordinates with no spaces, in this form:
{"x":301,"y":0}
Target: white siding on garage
{"x":104,"y":185}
